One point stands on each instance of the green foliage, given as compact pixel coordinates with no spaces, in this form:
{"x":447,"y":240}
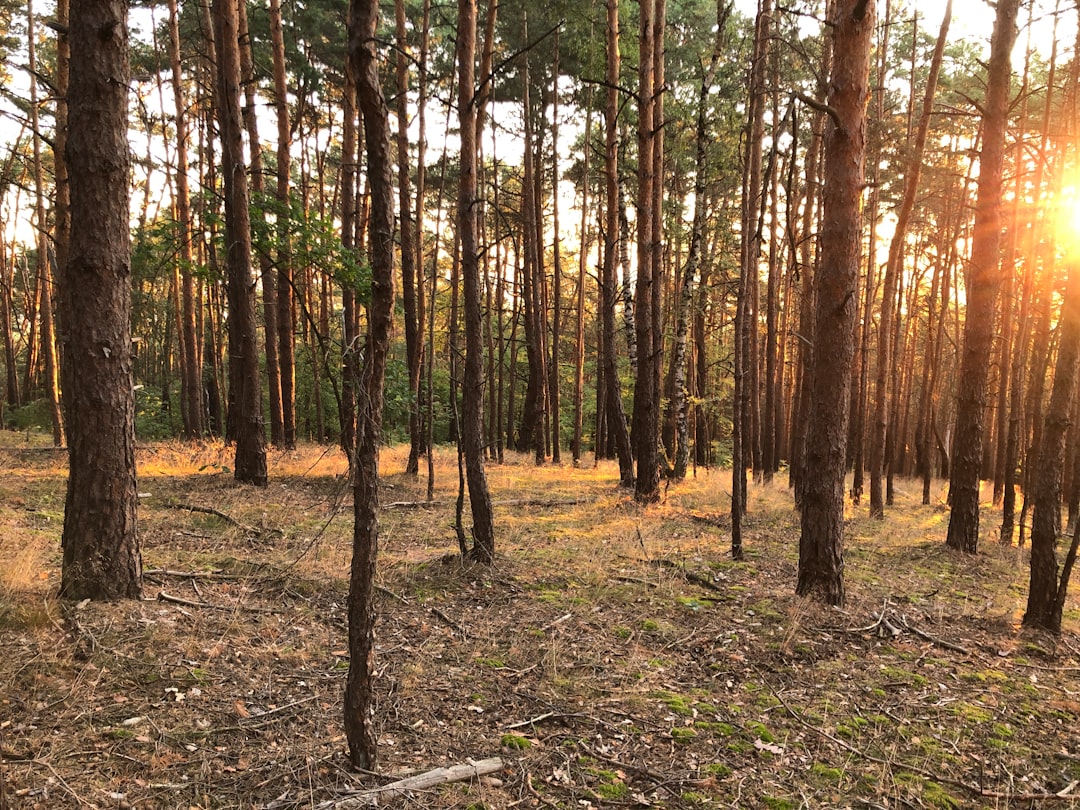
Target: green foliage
{"x":155,"y":419}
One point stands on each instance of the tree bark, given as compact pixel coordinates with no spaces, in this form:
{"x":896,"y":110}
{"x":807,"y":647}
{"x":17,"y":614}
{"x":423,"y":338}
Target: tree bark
{"x":246,"y":398}
{"x":100,"y":539}
{"x":613,"y":404}
{"x":646,"y":421}
{"x":472,"y":440}
{"x":984,"y":280}
{"x":285,"y":318}
{"x":359,"y":727}
{"x":821,"y":559}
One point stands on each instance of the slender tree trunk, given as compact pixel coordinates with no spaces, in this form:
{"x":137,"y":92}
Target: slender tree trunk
{"x":190,"y":378}
{"x":1044,"y":608}
{"x":646,"y":393}
{"x":361,"y":610}
{"x":984,"y":280}
{"x":893,"y":269}
{"x":584,"y":237}
{"x":250,"y":464}
{"x":483,"y":548}
{"x":100,"y":539}
{"x":613,"y":405}
{"x":44,"y":251}
{"x":413,"y":326}
{"x":285,"y":293}
{"x":554,"y":392}
{"x":821,"y":560}
{"x":267,"y":273}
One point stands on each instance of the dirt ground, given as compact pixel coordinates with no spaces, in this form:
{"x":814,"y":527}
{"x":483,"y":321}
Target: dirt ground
{"x":614,"y":656}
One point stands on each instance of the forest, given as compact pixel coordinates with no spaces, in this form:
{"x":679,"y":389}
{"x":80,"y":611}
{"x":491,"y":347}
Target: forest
{"x":669,"y":317}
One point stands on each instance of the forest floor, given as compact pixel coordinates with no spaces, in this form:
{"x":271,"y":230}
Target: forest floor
{"x":614,"y":656}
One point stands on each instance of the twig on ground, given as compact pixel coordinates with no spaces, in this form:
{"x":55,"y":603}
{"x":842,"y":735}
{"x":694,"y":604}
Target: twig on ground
{"x":689,"y":576}
{"x":208,"y":510}
{"x":423,"y":781}
{"x":167,"y":572}
{"x":948,"y":645}
{"x":656,"y":779}
{"x":450,"y":623}
{"x":178,"y":600}
{"x":391,"y":594}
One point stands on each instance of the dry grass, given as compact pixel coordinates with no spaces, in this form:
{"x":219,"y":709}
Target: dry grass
{"x":613,"y":656}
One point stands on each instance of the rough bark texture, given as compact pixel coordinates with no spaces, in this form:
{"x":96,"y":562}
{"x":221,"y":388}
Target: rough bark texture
{"x":821,"y":559}
{"x":472,"y":430}
{"x":285,"y":319}
{"x":413,"y":323}
{"x":245,"y":396}
{"x":613,"y":405}
{"x":983,"y":282}
{"x":646,"y":417}
{"x":1043,"y":606}
{"x":358,"y":688}
{"x":100,"y":541}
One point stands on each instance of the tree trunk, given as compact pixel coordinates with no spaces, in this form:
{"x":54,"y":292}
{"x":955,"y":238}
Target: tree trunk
{"x":100,"y":542}
{"x":472,"y":440}
{"x":646,"y":394}
{"x":1044,"y":609}
{"x":413,"y":325}
{"x":613,"y":405}
{"x":358,"y":686}
{"x":821,"y":559}
{"x":250,"y":463}
{"x":44,"y":251}
{"x":893,"y":269}
{"x":190,"y":378}
{"x":285,"y":294}
{"x":984,"y":279}
{"x":267,"y":273}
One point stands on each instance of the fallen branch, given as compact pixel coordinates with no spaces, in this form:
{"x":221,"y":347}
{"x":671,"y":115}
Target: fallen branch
{"x":948,"y":645}
{"x":167,"y":572}
{"x":450,"y":622}
{"x":689,"y":576}
{"x":423,"y":781}
{"x":178,"y":600}
{"x":208,"y":510}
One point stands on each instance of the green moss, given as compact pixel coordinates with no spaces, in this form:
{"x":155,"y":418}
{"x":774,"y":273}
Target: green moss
{"x":826,"y":774}
{"x":761,"y":731}
{"x":493,"y":663}
{"x":515,"y":742}
{"x":718,"y":770}
{"x":623,"y":632}
{"x":677,"y":703}
{"x":774,"y":803}
{"x":936,"y":796}
{"x":683,"y":736}
{"x":971,"y":713}
{"x":611,"y":791}
{"x":692,"y":798}
{"x":650,"y":625}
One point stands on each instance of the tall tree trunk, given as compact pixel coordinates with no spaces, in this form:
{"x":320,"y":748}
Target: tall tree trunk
{"x":350,"y":225}
{"x":821,"y":559}
{"x":984,"y":280}
{"x":556,"y":287}
{"x":250,"y":463}
{"x":267,"y":272}
{"x":413,"y":325}
{"x":1044,"y":608}
{"x":584,"y":238}
{"x":359,"y":728}
{"x":483,"y":528}
{"x":646,"y":389}
{"x":285,"y":293}
{"x":893,"y":268}
{"x":190,"y":378}
{"x":100,"y":539}
{"x":613,"y":405}
{"x":44,"y":251}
